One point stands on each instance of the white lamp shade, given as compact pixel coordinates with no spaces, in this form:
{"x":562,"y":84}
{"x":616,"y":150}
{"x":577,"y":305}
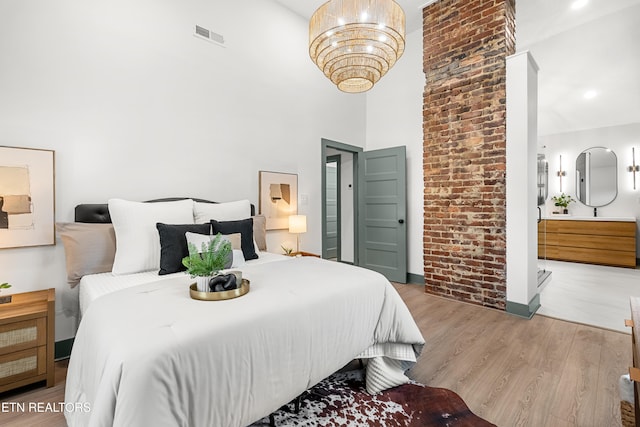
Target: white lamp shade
{"x":297,"y":224}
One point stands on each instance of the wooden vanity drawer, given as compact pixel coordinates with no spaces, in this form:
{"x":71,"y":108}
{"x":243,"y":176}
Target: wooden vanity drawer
{"x":612,"y":243}
{"x":597,"y":228}
{"x":590,"y":256}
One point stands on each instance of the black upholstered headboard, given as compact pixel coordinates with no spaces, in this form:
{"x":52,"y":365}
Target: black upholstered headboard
{"x":99,"y":212}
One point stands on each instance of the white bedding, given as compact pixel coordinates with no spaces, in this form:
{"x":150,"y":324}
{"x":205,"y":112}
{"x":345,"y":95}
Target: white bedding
{"x":151,"y":355}
{"x":94,"y":286}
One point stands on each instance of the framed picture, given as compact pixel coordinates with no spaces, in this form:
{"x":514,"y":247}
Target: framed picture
{"x":278,"y":198}
{"x":27,"y":197}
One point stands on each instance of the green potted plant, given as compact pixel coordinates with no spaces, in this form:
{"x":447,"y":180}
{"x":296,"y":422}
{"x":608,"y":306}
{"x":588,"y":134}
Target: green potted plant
{"x":563,"y":201}
{"x":6,"y":299}
{"x":203,"y":265}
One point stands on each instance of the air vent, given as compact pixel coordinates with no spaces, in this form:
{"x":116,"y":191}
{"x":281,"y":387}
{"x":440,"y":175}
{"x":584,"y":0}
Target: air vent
{"x":202,"y":31}
{"x":209,"y":36}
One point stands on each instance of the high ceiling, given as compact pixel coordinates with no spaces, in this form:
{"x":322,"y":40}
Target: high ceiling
{"x":594,"y":48}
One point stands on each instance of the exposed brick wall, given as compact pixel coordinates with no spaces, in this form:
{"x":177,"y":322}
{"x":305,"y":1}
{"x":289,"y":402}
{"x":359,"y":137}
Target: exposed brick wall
{"x":465,"y":46}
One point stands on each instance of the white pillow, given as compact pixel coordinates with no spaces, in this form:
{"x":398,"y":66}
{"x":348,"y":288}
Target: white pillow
{"x":238,"y":258}
{"x":137,"y":240}
{"x":198,"y":239}
{"x":229,"y":211}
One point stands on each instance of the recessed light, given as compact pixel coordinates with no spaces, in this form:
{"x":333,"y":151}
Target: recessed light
{"x":579,"y":4}
{"x":590,"y":94}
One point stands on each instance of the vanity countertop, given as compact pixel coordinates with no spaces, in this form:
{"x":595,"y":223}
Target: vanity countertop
{"x":592,"y":218}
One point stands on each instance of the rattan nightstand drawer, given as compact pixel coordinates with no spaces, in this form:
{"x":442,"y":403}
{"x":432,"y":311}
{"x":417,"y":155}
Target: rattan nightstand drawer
{"x":20,"y":365}
{"x":22,"y":335}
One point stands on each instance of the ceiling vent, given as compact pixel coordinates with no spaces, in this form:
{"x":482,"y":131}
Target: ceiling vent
{"x":210,"y":36}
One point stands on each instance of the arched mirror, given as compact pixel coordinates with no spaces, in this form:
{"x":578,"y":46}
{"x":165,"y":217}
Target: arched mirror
{"x":596,"y":177}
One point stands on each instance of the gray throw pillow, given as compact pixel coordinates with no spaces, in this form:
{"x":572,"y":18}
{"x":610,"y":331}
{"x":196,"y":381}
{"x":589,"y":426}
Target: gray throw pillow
{"x":88,"y":248}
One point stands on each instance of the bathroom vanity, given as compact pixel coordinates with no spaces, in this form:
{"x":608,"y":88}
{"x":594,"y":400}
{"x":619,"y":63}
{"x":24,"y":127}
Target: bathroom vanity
{"x":606,"y":241}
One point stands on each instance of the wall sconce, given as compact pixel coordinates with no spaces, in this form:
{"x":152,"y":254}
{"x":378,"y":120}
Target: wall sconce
{"x":634,"y":167}
{"x":561,"y":173}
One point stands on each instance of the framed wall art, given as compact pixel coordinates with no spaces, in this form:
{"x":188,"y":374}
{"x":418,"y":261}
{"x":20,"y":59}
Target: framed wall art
{"x":27,"y":197}
{"x":278,"y":198}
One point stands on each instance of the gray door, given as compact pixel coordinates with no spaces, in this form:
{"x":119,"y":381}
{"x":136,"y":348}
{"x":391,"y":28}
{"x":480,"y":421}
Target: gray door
{"x":382,"y":209}
{"x":332,"y":228}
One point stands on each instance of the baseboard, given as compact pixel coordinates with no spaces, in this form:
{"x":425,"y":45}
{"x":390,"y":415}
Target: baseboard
{"x":415,"y":279}
{"x":524,"y":310}
{"x":63,"y":349}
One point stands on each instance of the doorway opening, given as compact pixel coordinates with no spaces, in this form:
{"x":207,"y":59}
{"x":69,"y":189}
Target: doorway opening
{"x":333,"y":217}
{"x":339,"y":201}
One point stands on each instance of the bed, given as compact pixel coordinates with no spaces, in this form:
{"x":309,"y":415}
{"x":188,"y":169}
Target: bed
{"x":147,"y":354}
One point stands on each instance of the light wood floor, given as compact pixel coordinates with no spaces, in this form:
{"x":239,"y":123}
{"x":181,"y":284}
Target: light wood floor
{"x":35,"y":393}
{"x":591,"y":294}
{"x":517,"y":372}
{"x":510,"y":371}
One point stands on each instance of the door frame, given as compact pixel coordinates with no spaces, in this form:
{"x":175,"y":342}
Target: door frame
{"x":335,"y":158}
{"x":355,"y":151}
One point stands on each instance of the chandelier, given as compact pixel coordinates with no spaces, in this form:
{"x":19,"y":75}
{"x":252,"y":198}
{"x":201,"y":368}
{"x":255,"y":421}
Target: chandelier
{"x":355,"y":42}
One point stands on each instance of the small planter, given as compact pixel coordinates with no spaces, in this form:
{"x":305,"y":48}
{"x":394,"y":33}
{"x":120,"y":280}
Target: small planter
{"x":202,"y":283}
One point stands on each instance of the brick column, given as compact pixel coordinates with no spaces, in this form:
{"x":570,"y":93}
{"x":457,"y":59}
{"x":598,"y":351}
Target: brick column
{"x":465,"y":46}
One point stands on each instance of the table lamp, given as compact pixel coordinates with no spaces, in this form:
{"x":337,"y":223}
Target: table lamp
{"x":297,"y":225}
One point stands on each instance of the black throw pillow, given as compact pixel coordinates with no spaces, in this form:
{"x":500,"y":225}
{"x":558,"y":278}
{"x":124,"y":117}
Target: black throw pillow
{"x":173,"y":245}
{"x":245,"y":228}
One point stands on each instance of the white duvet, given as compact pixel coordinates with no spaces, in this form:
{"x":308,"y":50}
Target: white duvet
{"x":151,"y":355}
{"x":94,"y":286}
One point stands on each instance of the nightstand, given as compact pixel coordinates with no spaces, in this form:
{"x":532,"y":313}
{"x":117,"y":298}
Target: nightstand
{"x":27,"y":330}
{"x":303,"y":253}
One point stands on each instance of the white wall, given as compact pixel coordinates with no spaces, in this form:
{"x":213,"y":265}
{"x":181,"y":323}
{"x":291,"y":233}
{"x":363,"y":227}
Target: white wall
{"x":521,"y":190}
{"x":620,"y":139}
{"x":136,"y":107}
{"x":394,"y":117}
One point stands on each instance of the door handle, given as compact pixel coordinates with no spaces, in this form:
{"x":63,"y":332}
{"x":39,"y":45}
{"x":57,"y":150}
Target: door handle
{"x":539,"y":215}
{"x":401,"y":221}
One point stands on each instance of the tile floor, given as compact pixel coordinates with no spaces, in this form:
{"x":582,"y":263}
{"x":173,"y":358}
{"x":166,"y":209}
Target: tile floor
{"x":590,"y":294}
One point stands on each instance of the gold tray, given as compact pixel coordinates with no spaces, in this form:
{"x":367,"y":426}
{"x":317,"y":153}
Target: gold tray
{"x":220,"y":296}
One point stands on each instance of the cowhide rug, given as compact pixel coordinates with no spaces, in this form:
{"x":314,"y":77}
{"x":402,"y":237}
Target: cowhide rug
{"x":341,"y":400}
